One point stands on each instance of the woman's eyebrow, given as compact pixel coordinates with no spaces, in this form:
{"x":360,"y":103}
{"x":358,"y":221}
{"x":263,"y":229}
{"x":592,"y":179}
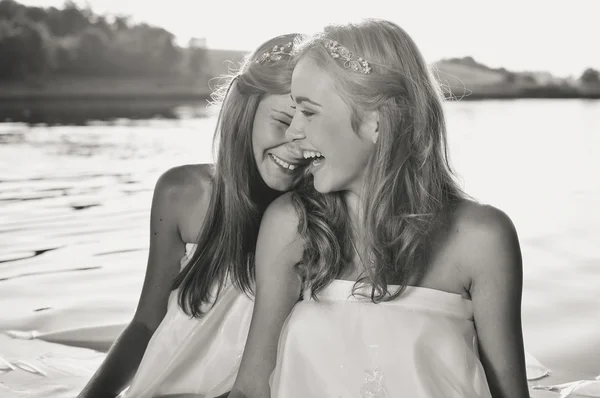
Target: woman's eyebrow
{"x":300,"y":100}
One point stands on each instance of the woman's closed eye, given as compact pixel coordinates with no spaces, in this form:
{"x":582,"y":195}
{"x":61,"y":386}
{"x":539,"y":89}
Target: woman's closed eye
{"x":305,"y":112}
{"x":284,"y":122}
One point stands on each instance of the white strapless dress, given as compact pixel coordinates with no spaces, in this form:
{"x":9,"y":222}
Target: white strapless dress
{"x":421,"y":345}
{"x":188,"y":355}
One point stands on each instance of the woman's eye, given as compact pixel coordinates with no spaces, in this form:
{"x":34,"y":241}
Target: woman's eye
{"x":283,"y":122}
{"x":307,"y":113}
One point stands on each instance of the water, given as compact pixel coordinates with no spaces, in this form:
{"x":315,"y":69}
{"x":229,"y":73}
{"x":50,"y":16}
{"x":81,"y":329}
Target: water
{"x":90,"y":187}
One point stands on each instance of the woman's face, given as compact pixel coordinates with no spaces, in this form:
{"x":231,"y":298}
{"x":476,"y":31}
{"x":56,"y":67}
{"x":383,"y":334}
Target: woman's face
{"x":322,"y":127}
{"x":279,"y":162}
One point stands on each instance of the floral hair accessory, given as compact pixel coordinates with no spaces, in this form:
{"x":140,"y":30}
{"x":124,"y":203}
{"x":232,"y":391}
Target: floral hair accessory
{"x":276,"y":53}
{"x":349,"y":59}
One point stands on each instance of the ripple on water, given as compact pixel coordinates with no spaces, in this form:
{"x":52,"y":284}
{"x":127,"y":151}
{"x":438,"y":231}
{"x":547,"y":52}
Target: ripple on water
{"x":84,"y":193}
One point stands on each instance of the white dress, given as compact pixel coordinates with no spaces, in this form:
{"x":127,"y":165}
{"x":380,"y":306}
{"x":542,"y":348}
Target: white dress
{"x":188,"y":355}
{"x":421,"y":345}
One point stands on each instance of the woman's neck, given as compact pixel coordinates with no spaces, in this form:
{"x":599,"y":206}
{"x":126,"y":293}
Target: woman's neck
{"x":354,"y":204}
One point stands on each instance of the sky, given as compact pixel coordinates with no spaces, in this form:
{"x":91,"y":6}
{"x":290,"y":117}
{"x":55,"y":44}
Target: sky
{"x":562,"y":37}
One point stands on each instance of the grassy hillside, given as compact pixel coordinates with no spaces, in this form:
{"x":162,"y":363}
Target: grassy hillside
{"x":465,"y":78}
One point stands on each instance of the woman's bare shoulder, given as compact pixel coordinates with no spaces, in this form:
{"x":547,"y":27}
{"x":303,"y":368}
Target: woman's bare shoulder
{"x":485,"y":235}
{"x":186,"y":180}
{"x":185,"y":191}
{"x":279,"y":226}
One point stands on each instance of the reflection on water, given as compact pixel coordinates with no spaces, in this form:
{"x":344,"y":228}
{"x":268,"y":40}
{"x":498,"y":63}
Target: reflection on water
{"x":531,"y":158}
{"x":76,"y":185}
{"x":81,"y":113}
{"x":74,"y":174}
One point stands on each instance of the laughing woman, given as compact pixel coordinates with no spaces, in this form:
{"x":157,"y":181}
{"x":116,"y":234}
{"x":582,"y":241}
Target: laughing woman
{"x":410,"y":288}
{"x":191,"y":323}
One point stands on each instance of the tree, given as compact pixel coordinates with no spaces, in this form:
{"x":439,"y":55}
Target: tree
{"x":74,"y":40}
{"x":170,"y":57}
{"x":509,"y":77}
{"x":121,"y":23}
{"x":36,"y":14}
{"x":590,"y":76}
{"x":10,"y":9}
{"x":529,"y":79}
{"x":24,"y":44}
{"x":91,"y":52}
{"x":71,"y":20}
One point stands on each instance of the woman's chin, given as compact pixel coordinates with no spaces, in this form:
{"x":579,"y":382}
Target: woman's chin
{"x":322,"y":187}
{"x":276,"y":180}
{"x":281,"y":185}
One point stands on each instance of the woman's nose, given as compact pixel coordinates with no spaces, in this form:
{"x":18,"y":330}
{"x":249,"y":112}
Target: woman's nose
{"x":293,"y":133}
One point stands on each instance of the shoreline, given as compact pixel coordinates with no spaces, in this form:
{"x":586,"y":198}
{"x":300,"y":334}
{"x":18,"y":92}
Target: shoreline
{"x":63,"y":88}
{"x":89,"y":89}
{"x":194,"y":97}
{"x":98,"y":97}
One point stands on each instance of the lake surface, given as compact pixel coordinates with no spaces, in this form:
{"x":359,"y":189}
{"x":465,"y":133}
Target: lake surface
{"x":65,"y":185}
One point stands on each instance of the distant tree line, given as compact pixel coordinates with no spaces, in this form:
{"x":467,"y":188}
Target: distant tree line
{"x":74,"y":41}
{"x":589,"y":77}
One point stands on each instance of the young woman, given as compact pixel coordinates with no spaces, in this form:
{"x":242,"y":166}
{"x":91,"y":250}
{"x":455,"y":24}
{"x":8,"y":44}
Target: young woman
{"x":189,"y":329}
{"x":410,"y":288}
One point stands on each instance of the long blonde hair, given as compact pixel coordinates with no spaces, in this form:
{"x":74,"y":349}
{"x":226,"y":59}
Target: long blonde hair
{"x":410,"y":188}
{"x":239,"y":197}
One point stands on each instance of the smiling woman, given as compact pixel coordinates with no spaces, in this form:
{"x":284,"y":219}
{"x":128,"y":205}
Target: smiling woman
{"x":327,"y":132}
{"x":379,"y":238}
{"x":276,"y":163}
{"x":192,"y":319}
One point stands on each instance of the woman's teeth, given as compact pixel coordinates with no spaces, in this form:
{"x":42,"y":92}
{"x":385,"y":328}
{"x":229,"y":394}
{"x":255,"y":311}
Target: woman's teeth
{"x":312,"y":154}
{"x":316,"y":156}
{"x":283,"y":163}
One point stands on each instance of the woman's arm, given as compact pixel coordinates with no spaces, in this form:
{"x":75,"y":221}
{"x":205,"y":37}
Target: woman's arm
{"x":278,"y":250}
{"x":493,"y":257}
{"x":172,"y":198}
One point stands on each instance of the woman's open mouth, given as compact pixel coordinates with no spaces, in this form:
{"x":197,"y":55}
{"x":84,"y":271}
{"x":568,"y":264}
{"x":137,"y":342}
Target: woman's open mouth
{"x":285,"y":165}
{"x":315,"y":157}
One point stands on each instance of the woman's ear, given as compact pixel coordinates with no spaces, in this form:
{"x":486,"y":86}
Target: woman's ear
{"x":370,"y":126}
{"x":376,"y":136}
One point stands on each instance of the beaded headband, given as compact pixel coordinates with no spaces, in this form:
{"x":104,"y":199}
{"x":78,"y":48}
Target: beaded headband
{"x":276,"y":53}
{"x":349,"y":59}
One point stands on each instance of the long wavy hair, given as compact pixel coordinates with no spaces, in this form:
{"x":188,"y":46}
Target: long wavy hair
{"x":410,"y":188}
{"x":239,"y":196}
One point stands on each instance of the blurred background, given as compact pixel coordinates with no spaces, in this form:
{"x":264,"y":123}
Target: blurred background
{"x":99,"y":98}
